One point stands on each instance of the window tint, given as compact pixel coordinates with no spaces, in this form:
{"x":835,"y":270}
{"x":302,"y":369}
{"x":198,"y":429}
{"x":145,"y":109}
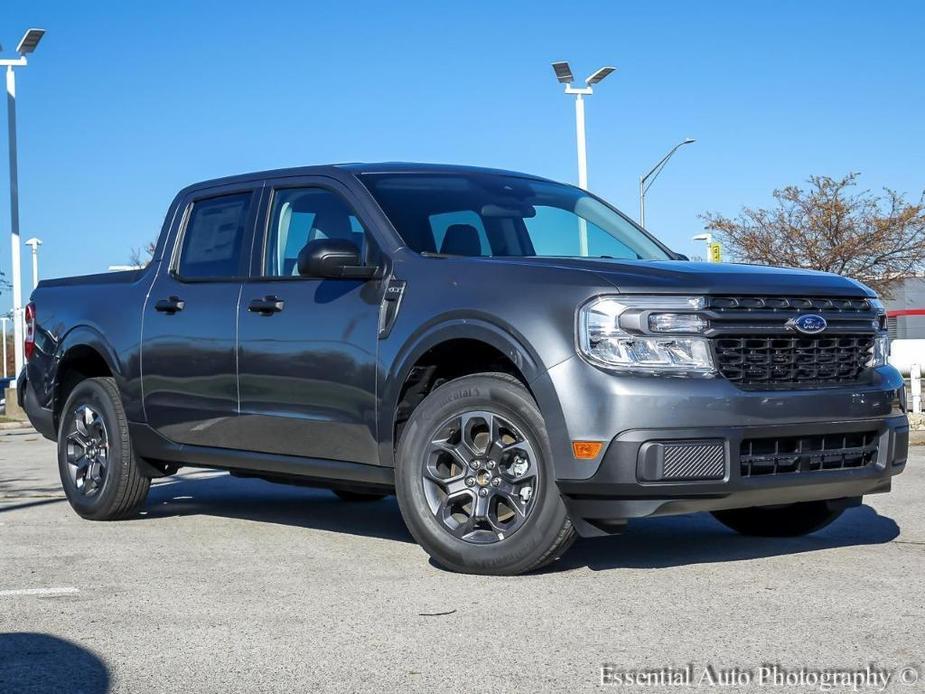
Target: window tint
{"x":301,"y":215}
{"x":213,"y":237}
{"x":549,"y":233}
{"x":488,"y":214}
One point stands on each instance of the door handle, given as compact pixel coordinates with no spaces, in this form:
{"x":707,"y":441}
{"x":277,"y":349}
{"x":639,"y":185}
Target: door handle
{"x":266,"y":306}
{"x":170,"y":305}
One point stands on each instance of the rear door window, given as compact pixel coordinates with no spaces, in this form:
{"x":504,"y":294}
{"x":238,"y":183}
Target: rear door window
{"x":212,"y":245}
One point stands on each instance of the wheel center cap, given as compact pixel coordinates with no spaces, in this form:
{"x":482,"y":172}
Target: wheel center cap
{"x":483,"y":477}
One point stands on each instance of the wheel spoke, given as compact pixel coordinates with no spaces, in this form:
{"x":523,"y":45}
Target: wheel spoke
{"x":464,"y":528}
{"x":79,"y":439}
{"x":466,"y":431}
{"x":80,"y":421}
{"x":461,"y":457}
{"x":480,"y":507}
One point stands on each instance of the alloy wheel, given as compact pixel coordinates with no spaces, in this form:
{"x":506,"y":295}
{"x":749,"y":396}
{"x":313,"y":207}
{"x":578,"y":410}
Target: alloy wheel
{"x":480,"y":477}
{"x":87,"y":450}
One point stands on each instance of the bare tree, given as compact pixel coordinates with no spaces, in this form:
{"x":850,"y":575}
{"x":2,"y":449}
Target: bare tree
{"x":140,"y":257}
{"x":876,"y":239}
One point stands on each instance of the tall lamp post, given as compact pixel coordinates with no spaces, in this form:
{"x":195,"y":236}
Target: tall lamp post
{"x":565,"y":76}
{"x":26,"y":45}
{"x":645,"y":183}
{"x":34,"y":244}
{"x":4,"y":319}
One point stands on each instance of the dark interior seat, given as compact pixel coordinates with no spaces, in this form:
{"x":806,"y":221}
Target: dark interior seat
{"x":461,"y":239}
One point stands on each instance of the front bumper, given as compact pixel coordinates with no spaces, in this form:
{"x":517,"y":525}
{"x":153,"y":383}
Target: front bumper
{"x":616,"y":493}
{"x":632,"y":412}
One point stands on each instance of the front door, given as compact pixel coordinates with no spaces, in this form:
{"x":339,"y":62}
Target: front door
{"x":307,"y":348}
{"x":189,"y":374}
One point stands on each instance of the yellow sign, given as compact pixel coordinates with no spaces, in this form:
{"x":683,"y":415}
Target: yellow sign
{"x":715,"y":253}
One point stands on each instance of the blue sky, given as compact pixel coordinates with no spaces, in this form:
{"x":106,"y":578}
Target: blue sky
{"x":126,"y":102}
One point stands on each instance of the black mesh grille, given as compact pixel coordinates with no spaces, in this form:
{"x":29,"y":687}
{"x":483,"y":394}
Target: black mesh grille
{"x":777,"y":359}
{"x":802,"y":454}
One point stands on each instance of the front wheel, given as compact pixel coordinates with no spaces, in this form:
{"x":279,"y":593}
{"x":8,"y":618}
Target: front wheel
{"x":100,"y":473}
{"x":791,"y":520}
{"x":475,"y":481}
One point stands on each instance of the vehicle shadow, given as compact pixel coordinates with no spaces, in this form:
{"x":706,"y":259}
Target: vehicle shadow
{"x":647,"y":543}
{"x":209,"y":493}
{"x":32,"y":662}
{"x":657,"y":543}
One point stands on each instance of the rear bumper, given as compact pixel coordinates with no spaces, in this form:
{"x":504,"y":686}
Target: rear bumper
{"x":42,"y":418}
{"x":618,"y":490}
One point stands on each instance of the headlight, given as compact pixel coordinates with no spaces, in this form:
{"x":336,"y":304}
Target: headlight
{"x":649,"y":334}
{"x":881,"y":349}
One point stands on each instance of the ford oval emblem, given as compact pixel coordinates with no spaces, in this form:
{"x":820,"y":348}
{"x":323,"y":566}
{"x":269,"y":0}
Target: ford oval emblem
{"x":808,"y":324}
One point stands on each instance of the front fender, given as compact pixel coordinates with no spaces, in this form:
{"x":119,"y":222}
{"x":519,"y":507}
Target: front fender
{"x":514,"y":348}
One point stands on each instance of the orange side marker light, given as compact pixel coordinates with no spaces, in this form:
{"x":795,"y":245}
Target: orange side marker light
{"x":586,"y":450}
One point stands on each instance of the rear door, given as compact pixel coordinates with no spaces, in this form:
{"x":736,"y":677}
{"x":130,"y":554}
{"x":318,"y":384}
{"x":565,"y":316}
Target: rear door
{"x":189,"y":370}
{"x":307,"y":354}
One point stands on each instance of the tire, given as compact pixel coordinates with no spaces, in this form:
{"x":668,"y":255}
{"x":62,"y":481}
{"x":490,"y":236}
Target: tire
{"x":101,"y":476}
{"x":442,"y":508}
{"x":347,"y":495}
{"x":792,"y":520}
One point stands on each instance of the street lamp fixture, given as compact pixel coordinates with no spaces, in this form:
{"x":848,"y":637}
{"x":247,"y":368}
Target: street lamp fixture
{"x":645,"y":183}
{"x":565,"y":76}
{"x":29,"y":41}
{"x":34,"y":244}
{"x":27,"y":45}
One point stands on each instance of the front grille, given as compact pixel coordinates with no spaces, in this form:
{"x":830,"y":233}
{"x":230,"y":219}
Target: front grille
{"x":788,"y":303}
{"x":802,"y":454}
{"x":780,"y":359}
{"x":755,"y":344}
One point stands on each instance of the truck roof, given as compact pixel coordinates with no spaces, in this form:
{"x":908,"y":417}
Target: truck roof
{"x":358,"y":168}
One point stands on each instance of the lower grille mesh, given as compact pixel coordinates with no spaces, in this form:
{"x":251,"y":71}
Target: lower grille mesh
{"x":800,"y":454}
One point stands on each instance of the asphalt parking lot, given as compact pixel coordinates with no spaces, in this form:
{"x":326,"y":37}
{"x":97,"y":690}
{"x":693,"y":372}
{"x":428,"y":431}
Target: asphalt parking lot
{"x":241,"y":585}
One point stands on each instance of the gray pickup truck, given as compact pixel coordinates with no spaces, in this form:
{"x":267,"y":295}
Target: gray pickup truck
{"x":513,"y":358}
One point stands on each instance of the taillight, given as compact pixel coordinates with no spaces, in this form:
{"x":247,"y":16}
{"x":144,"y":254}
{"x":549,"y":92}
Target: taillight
{"x":29,"y":344}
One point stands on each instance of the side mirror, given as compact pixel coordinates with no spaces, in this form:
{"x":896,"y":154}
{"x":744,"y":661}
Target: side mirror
{"x":333,"y":259}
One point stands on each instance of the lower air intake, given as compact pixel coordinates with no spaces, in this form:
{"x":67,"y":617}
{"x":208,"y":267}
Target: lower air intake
{"x":682,"y":461}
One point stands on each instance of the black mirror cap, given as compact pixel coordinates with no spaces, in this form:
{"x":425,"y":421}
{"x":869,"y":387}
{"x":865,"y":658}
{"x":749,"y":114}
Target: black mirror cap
{"x":333,"y":259}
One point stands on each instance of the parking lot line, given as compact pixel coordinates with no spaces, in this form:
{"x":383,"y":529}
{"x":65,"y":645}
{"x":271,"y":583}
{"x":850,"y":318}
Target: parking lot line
{"x":67,"y":590}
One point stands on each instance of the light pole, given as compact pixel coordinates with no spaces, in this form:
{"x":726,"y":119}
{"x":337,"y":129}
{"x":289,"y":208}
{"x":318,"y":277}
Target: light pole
{"x":34,"y":243}
{"x":653,"y":174}
{"x":26,"y":45}
{"x":564,"y":75}
{"x":4,"y":319}
{"x":707,"y":238}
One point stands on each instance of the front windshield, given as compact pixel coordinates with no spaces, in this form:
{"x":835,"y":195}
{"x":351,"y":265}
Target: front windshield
{"x":481,"y":214}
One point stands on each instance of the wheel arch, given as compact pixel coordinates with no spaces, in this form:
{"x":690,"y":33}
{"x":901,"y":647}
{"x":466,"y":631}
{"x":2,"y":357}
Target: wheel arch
{"x":82,"y":353}
{"x":481,"y":347}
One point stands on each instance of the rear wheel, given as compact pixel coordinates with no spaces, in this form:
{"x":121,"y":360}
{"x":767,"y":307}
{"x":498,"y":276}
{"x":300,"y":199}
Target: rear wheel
{"x":100,"y":474}
{"x":475,"y":482}
{"x":791,"y":520}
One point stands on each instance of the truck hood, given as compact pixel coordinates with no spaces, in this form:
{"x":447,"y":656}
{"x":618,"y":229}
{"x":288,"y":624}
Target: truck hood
{"x":679,"y":276}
